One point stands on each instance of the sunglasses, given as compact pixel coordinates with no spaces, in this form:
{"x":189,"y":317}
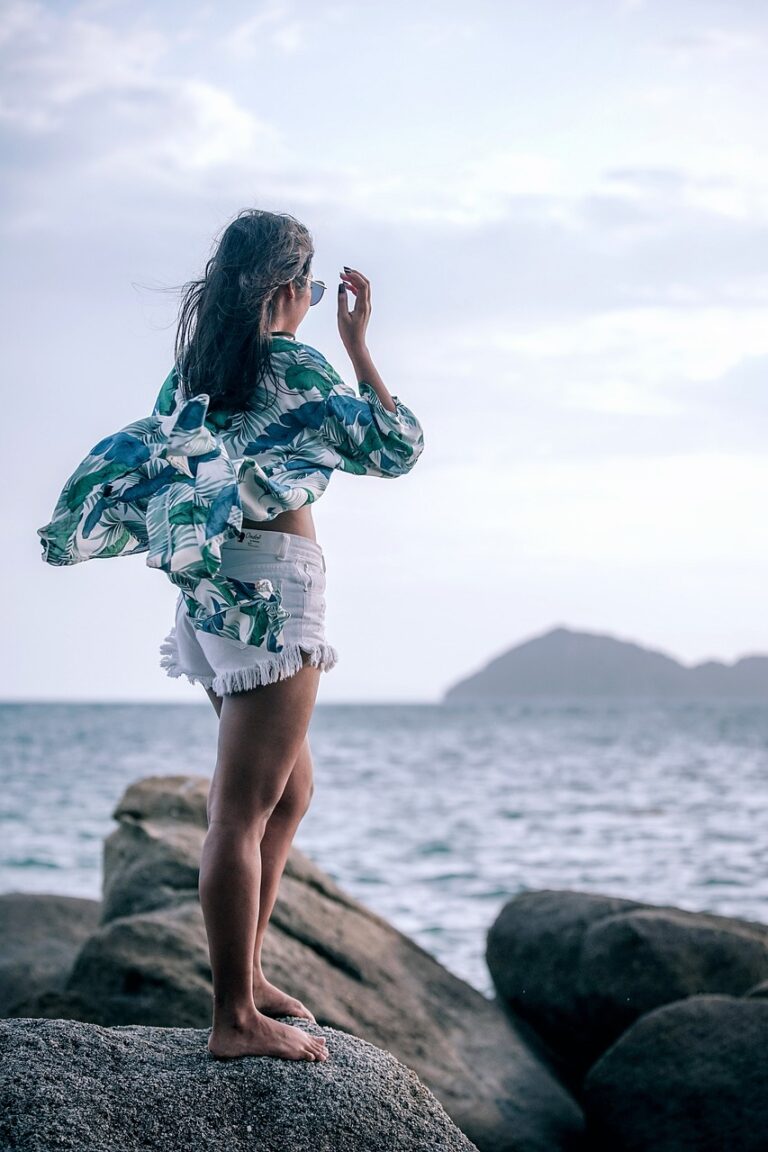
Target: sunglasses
{"x":317,"y":292}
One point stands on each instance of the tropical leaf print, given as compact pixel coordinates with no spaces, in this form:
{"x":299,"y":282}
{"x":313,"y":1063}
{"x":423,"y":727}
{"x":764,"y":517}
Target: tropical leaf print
{"x":177,"y":483}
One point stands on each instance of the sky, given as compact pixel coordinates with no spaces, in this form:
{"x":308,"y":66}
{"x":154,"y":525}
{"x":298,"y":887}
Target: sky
{"x":562,"y":207}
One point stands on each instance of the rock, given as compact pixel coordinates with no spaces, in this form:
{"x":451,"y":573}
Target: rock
{"x":41,"y":935}
{"x":688,"y":1077}
{"x":76,"y":1086}
{"x":148,"y":964}
{"x":533,"y":952}
{"x":644,"y":959}
{"x":151,"y":859}
{"x":581,"y":968}
{"x":179,"y":799}
{"x":147,"y":960}
{"x":151,"y":968}
{"x":360,"y":974}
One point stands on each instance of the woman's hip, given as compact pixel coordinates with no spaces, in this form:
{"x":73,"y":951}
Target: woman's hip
{"x":255,"y":551}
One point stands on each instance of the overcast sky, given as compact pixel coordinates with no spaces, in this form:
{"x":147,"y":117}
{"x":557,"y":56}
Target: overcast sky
{"x":561,"y":206}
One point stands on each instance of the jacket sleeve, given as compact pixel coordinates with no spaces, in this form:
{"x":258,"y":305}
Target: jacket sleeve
{"x":162,"y":485}
{"x":168,"y":396}
{"x":368,"y":438}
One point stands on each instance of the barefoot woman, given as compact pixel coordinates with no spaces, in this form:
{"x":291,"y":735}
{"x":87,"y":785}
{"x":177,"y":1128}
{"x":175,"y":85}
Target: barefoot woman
{"x":258,"y":645}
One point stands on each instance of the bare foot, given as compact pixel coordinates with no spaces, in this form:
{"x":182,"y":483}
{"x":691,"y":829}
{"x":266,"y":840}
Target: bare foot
{"x":270,"y":1000}
{"x":259,"y":1036}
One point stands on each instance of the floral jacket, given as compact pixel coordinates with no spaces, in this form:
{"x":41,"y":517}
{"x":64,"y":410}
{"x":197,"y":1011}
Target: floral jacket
{"x":177,"y":483}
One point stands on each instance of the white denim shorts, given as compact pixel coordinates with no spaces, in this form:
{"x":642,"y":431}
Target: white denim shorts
{"x":296,"y":566}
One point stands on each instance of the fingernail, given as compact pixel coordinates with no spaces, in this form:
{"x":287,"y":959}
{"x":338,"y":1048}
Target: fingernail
{"x":346,"y":269}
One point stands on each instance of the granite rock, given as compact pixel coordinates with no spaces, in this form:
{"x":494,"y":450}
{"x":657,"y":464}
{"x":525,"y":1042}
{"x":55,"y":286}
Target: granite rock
{"x":687,"y":1077}
{"x":41,"y":935}
{"x":84,"y":1088}
{"x":581,"y":968}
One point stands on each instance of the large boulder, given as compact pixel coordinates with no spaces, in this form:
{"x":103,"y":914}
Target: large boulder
{"x":151,"y":859}
{"x":688,"y":1077}
{"x":151,"y":968}
{"x":148,"y":964}
{"x":147,"y":961}
{"x":76,"y":1086}
{"x":581,"y":968}
{"x":41,"y":935}
{"x":360,"y":974}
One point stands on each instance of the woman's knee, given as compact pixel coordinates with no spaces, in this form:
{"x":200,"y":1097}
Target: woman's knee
{"x":240,"y":804}
{"x":241,"y":825}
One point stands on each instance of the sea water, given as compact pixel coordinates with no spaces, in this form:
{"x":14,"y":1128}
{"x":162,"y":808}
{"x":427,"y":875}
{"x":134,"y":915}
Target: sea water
{"x":432,"y":815}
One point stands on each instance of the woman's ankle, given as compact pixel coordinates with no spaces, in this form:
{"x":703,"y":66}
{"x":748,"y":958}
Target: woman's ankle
{"x":233,"y":1014}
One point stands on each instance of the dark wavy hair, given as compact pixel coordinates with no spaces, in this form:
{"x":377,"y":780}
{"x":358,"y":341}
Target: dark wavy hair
{"x":222,"y":339}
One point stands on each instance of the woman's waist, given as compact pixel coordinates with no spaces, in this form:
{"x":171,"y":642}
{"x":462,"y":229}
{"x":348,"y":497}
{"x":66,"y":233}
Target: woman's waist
{"x":293,"y":521}
{"x":272,"y":544}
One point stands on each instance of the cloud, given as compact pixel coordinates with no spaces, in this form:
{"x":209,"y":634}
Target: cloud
{"x":170,"y":131}
{"x":739,"y":398}
{"x":657,"y":345}
{"x":91,"y":108}
{"x":464,"y":196}
{"x":109,"y":105}
{"x":274,"y":25}
{"x":637,"y":384}
{"x":609,"y":509}
{"x":51,"y":62}
{"x":714,"y":42}
{"x":733,"y":183}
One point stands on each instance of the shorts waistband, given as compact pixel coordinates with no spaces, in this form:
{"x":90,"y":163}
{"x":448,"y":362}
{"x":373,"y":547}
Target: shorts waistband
{"x":281,"y":545}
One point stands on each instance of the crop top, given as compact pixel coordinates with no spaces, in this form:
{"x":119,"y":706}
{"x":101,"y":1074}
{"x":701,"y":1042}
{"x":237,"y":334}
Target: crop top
{"x":311,"y":424}
{"x":176,"y":484}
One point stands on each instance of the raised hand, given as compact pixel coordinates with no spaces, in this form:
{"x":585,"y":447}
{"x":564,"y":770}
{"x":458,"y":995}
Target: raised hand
{"x":352,"y":324}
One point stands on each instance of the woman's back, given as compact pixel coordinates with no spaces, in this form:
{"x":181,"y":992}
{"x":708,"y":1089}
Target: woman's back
{"x":305,"y":423}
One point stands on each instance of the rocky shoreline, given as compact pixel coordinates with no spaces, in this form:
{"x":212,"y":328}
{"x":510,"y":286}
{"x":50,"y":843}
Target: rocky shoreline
{"x":617,"y":1025}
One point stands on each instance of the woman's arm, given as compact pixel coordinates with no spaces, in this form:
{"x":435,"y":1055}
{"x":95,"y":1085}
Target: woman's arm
{"x":352,"y":326}
{"x":365,"y":371}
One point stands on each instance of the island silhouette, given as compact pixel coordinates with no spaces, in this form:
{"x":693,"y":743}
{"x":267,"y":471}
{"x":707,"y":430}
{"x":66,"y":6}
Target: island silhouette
{"x":567,"y":663}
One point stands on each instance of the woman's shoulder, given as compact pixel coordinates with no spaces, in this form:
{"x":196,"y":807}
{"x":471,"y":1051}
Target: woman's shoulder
{"x":305,"y":353}
{"x":306,"y":367}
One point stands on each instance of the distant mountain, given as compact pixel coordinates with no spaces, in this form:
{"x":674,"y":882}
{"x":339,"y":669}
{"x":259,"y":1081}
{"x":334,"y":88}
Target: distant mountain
{"x":566,"y":663}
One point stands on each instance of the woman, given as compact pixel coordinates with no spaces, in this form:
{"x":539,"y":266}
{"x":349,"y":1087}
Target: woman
{"x":257,"y":643}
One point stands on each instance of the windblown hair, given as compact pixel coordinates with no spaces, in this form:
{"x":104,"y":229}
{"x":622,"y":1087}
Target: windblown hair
{"x":222,"y":339}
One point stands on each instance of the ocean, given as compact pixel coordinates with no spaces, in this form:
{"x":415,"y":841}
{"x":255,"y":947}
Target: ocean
{"x":433,"y":816}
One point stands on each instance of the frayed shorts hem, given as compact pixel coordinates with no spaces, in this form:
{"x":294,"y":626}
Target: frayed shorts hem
{"x":278,"y":666}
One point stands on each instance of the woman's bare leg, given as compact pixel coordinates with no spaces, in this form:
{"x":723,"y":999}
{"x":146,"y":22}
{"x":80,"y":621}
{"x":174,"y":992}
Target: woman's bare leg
{"x":275,"y":848}
{"x":260,"y":735}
